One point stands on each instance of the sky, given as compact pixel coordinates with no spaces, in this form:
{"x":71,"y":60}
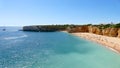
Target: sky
{"x":44,"y":12}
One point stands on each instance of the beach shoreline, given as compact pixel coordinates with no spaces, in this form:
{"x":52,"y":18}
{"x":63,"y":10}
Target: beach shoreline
{"x":113,"y":43}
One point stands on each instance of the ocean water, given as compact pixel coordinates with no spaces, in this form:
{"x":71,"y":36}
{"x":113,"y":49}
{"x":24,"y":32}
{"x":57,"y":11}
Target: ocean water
{"x":20,"y":49}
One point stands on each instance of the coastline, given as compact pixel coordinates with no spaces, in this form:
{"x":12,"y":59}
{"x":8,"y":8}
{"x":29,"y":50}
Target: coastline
{"x":113,"y":43}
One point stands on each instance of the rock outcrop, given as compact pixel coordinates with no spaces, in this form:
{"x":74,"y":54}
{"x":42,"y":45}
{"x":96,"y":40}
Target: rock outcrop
{"x":113,"y":32}
{"x":98,"y":31}
{"x":95,"y":30}
{"x":119,"y":32}
{"x":30,"y":28}
{"x":78,"y":29}
{"x":106,"y":31}
{"x":91,"y":29}
{"x":45,"y":28}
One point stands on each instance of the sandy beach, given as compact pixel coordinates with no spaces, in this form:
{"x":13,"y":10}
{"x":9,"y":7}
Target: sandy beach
{"x":112,"y":43}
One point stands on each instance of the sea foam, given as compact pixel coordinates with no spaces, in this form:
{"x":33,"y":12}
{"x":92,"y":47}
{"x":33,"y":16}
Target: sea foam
{"x":15,"y":37}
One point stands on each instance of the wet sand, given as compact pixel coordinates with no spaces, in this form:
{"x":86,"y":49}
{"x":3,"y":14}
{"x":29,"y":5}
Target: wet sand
{"x":112,"y":43}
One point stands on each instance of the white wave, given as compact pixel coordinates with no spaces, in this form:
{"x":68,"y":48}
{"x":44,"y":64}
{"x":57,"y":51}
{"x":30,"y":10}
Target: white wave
{"x":15,"y":37}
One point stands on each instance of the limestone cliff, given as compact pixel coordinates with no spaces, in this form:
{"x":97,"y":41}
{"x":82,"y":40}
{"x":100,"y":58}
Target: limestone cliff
{"x":98,"y":31}
{"x":119,"y":32}
{"x":78,"y":29}
{"x":44,"y":28}
{"x":106,"y":31}
{"x":30,"y":28}
{"x":95,"y":30}
{"x":92,"y":29}
{"x":113,"y":32}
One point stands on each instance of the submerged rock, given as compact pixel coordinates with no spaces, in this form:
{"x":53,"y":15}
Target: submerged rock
{"x":4,"y":29}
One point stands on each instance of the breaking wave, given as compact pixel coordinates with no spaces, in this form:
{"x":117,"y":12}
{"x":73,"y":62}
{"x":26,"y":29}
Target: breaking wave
{"x":15,"y":37}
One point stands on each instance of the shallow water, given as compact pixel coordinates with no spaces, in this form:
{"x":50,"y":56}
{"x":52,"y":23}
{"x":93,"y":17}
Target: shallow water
{"x":20,"y":49}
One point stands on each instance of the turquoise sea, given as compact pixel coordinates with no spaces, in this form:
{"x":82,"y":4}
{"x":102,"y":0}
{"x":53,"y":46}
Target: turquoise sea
{"x":20,"y":49}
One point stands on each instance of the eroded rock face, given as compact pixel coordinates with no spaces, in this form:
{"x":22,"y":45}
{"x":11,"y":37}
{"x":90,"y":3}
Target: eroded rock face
{"x":71,"y":30}
{"x":78,"y":29}
{"x":95,"y":30}
{"x":119,"y":32}
{"x":41,"y":28}
{"x":92,"y":29}
{"x":30,"y":28}
{"x":106,"y":31}
{"x":113,"y":32}
{"x":84,"y":29}
{"x":98,"y":31}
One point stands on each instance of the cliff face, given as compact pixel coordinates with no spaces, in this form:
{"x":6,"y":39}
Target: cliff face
{"x":78,"y":29}
{"x":30,"y":28}
{"x":95,"y":30}
{"x":119,"y":32}
{"x":92,"y":29}
{"x":71,"y":30}
{"x":113,"y":32}
{"x":98,"y":31}
{"x":47,"y":28}
{"x":106,"y":31}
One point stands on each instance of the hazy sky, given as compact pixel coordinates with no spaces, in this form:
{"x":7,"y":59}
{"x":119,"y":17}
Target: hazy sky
{"x":33,"y":12}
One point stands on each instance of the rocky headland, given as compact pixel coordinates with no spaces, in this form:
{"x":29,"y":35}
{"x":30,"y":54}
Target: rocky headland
{"x":105,"y":34}
{"x":45,"y":28}
{"x":111,"y":30}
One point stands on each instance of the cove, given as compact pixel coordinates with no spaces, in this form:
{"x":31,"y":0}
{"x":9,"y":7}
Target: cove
{"x":53,"y":50}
